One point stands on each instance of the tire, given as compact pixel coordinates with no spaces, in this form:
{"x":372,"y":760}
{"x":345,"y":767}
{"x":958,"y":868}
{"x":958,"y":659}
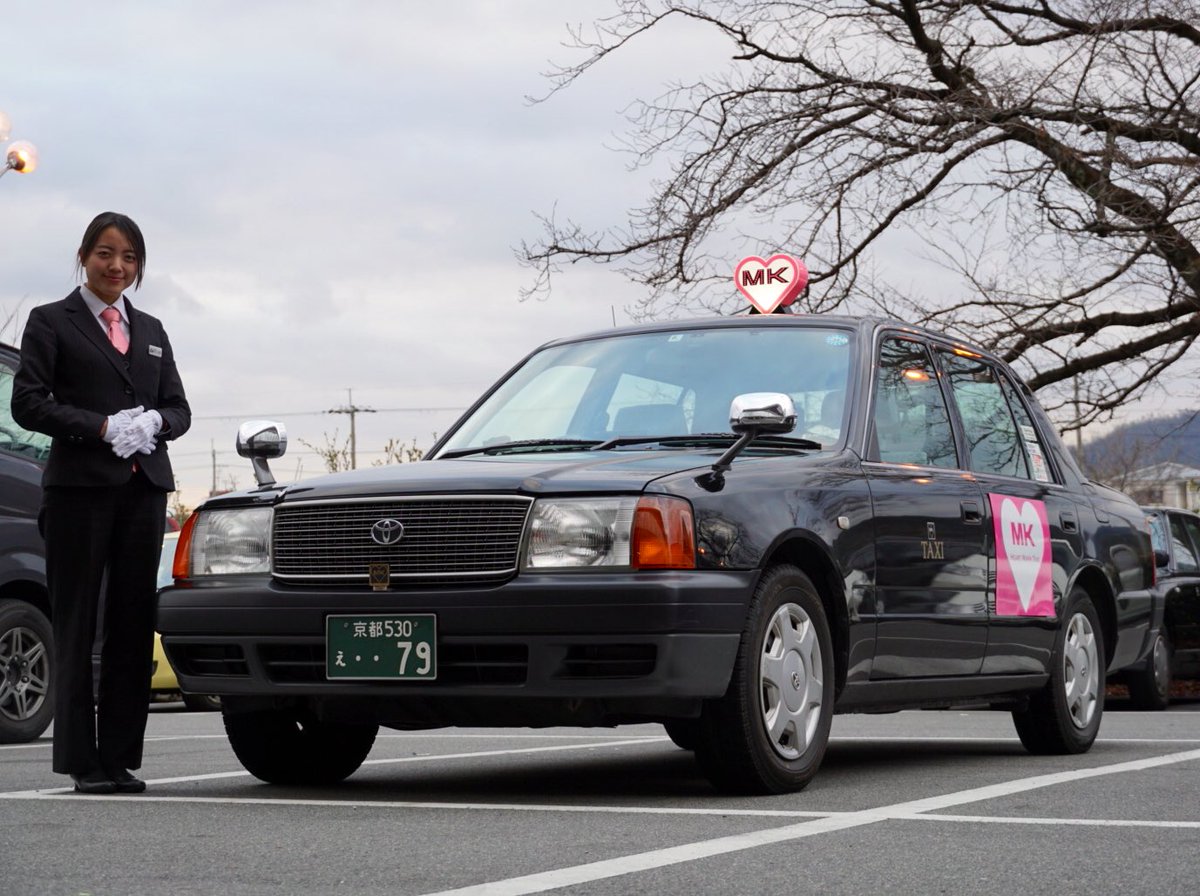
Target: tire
{"x":291,"y":746}
{"x":1150,"y":688}
{"x":769,"y":732}
{"x":684,"y":733}
{"x":1064,"y":717}
{"x":26,"y":672}
{"x":202,"y":702}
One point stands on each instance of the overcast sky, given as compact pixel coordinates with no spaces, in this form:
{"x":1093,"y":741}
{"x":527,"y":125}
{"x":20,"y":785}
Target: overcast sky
{"x":331,"y":194}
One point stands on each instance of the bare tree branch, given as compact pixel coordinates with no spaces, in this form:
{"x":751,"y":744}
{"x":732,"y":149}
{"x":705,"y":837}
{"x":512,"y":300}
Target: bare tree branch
{"x":1054,"y":145}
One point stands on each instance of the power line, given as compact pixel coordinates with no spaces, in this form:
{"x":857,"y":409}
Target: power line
{"x":243,"y":416}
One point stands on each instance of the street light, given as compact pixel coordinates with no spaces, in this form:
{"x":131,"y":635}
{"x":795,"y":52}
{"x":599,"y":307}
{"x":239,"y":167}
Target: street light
{"x":21,"y":155}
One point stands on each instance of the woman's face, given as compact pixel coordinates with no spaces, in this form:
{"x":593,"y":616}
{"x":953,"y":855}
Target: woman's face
{"x":111,"y":266}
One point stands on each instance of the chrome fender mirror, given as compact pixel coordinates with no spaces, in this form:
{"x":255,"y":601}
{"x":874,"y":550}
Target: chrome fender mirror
{"x":261,"y":440}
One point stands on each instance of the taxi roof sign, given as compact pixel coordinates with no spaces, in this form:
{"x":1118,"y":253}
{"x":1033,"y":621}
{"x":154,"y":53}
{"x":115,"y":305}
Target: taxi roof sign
{"x":771,"y":283}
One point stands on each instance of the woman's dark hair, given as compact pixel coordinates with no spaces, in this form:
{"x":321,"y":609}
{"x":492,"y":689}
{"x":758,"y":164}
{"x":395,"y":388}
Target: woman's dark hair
{"x":127,"y":228}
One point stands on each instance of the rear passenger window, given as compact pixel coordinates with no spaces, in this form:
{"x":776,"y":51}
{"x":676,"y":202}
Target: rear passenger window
{"x":993,"y":440}
{"x":911,"y":423}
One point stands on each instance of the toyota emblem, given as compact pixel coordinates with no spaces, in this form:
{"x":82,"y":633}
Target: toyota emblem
{"x":387,"y":531}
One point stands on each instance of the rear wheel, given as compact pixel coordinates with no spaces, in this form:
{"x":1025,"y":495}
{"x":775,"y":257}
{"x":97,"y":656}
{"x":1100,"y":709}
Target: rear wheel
{"x":291,"y":746}
{"x":26,"y":664}
{"x":769,"y":732}
{"x":684,"y":733}
{"x":202,"y":702}
{"x":1064,"y":717}
{"x":1150,"y":688}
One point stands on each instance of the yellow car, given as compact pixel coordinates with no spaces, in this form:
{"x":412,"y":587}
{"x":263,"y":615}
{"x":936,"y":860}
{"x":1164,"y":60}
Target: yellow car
{"x":163,"y":683}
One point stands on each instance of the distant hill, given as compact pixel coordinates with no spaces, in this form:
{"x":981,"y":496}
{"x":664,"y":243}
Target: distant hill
{"x":1174,"y":439}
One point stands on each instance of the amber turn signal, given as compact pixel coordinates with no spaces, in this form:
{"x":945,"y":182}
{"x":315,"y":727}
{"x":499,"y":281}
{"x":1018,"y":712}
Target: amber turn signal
{"x":663,"y":534}
{"x":182,"y":566}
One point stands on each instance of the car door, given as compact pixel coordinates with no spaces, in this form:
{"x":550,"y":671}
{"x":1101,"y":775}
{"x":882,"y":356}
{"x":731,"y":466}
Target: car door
{"x":1181,"y":586}
{"x":930,"y":596}
{"x":1032,"y":532}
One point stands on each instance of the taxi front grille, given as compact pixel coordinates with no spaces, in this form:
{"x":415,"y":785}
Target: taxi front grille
{"x":437,"y":540}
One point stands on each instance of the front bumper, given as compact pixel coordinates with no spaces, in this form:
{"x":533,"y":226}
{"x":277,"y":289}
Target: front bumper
{"x":637,"y":640}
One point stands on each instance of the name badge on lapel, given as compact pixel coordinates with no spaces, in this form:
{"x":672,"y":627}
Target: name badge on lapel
{"x":155,"y":351}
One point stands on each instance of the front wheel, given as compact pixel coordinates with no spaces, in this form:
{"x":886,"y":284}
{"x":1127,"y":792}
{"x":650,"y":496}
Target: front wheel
{"x":292,"y":746}
{"x":1064,"y":717}
{"x":769,"y":732}
{"x":1150,"y":687}
{"x":26,"y":667}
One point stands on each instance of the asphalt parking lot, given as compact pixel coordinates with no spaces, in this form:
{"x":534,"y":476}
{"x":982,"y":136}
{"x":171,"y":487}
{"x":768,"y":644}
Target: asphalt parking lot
{"x":933,"y":802}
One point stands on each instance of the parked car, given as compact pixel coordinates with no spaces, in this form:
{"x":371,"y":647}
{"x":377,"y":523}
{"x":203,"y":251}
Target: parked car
{"x":163,"y":682}
{"x":735,"y":527}
{"x":26,"y":642}
{"x":1175,"y":653}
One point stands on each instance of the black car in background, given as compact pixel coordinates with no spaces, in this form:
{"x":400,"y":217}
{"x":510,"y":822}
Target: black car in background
{"x":735,"y":527}
{"x":1175,"y":653}
{"x":26,"y":642}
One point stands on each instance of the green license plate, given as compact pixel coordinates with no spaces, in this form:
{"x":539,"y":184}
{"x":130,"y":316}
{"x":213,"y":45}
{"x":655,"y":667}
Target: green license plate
{"x":381,"y":647}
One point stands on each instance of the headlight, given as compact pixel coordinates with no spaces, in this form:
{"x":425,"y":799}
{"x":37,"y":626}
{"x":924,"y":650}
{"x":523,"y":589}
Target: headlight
{"x":647,"y":532}
{"x":225,"y":542}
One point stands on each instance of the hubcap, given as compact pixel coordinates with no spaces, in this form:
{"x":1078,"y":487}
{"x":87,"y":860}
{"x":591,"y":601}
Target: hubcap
{"x":792,"y":675}
{"x":24,"y":674}
{"x":1081,"y":670}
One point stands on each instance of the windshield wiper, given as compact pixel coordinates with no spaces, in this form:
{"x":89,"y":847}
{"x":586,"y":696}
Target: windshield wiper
{"x":522,"y":445}
{"x":710,"y":438}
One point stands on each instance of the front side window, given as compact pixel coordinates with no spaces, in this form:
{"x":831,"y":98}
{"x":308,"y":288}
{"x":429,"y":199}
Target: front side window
{"x":1182,"y":550}
{"x":911,"y":424}
{"x":994,"y":443}
{"x":14,"y":438}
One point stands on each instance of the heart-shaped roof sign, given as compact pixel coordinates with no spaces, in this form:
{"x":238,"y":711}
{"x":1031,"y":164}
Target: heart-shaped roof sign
{"x":772,"y":283}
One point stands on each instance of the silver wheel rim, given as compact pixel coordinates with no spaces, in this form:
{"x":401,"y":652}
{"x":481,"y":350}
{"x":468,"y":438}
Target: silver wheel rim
{"x":1081,"y":670}
{"x":24,"y":674}
{"x":792,"y":676}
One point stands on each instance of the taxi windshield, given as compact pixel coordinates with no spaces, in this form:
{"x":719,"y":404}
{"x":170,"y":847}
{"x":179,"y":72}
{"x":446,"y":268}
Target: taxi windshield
{"x":664,"y":384}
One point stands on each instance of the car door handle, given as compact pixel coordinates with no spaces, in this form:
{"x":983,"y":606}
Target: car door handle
{"x":1068,"y":521}
{"x":970,"y":513}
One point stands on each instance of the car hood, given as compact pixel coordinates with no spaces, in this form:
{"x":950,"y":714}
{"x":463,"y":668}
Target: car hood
{"x":533,"y":474}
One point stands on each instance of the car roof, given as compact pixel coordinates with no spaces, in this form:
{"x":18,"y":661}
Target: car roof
{"x":862,"y":323}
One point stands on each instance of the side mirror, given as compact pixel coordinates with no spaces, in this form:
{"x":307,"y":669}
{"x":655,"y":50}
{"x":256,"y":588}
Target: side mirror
{"x":750,"y":415}
{"x":762,"y":412}
{"x":261,"y":440}
{"x":1162,"y":559}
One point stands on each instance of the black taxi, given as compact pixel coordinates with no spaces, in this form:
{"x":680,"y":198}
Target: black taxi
{"x":736,"y":527}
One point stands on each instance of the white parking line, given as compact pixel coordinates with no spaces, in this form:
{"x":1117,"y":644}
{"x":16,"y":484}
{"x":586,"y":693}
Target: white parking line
{"x":658,"y":858}
{"x":58,"y":792}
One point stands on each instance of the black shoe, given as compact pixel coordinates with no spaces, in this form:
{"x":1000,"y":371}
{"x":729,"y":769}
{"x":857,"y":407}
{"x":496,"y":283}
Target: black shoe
{"x":124,"y":782}
{"x":94,"y":782}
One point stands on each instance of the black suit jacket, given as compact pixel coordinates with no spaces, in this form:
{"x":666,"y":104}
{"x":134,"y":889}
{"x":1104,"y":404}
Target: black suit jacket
{"x":71,"y":378}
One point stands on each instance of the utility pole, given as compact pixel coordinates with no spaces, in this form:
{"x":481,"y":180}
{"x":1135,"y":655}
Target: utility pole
{"x":353,"y":411}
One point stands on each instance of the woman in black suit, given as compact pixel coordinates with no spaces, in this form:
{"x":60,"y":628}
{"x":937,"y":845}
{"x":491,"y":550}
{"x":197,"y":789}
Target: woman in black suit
{"x":99,"y":377}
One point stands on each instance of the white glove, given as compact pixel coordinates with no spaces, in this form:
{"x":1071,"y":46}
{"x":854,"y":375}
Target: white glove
{"x":118,"y":422}
{"x":138,"y":435}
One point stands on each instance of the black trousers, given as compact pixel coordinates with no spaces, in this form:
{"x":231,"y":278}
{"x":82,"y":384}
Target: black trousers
{"x":88,"y":532}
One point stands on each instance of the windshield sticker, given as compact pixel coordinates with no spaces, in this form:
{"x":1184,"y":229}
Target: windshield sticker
{"x":837,"y":339}
{"x":1023,"y":579}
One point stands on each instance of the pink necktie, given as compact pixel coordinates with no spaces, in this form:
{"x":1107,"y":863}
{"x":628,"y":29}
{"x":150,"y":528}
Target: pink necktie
{"x":112,"y":317}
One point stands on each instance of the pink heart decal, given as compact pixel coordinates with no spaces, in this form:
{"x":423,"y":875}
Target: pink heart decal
{"x":771,"y":283}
